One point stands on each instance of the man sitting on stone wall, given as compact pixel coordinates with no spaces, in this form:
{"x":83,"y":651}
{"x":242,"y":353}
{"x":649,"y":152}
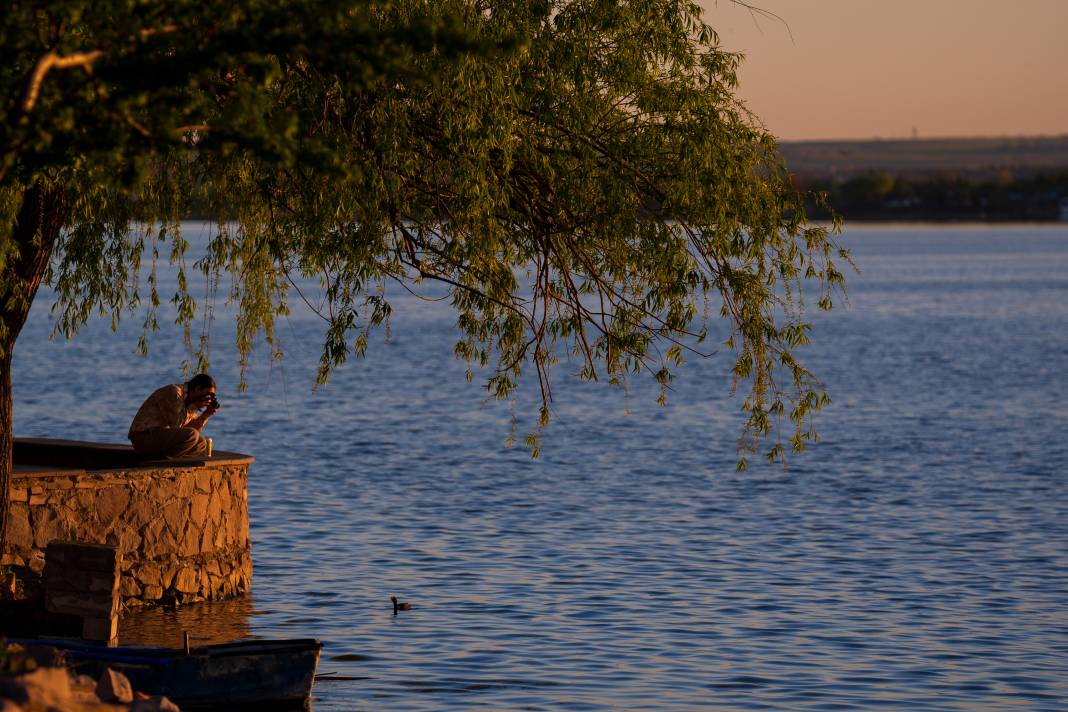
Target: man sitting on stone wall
{"x":168,"y":424}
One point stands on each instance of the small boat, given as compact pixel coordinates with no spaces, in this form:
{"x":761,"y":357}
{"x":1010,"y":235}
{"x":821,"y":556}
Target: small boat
{"x":259,"y":674}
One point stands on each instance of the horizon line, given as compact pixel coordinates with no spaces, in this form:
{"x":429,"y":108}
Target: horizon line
{"x":909,"y":139}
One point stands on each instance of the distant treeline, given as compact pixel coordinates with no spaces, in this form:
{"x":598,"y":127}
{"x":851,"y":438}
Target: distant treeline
{"x":943,"y":196}
{"x":940,"y":196}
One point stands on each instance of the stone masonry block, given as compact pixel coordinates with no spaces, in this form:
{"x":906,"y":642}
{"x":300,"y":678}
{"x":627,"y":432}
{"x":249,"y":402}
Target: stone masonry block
{"x":164,"y":490}
{"x":130,"y":588}
{"x":176,"y":514}
{"x":149,"y":574}
{"x":142,"y":511}
{"x":19,"y":532}
{"x":204,"y":481}
{"x":12,"y":560}
{"x":167,"y":580}
{"x":215,"y":510}
{"x":200,"y":507}
{"x":85,"y":499}
{"x":190,"y":545}
{"x":185,"y":487}
{"x":129,"y":541}
{"x":157,"y":541}
{"x":111,"y":503}
{"x":48,"y":526}
{"x":187,"y":581}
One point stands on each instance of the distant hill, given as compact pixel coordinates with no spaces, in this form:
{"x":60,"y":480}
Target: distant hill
{"x":951,"y":179}
{"x":976,"y":158}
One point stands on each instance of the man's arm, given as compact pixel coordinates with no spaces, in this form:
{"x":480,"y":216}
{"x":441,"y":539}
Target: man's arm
{"x":201,"y":420}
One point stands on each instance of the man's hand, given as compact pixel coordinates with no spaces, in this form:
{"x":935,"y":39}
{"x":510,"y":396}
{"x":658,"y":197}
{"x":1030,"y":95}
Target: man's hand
{"x":206,"y":403}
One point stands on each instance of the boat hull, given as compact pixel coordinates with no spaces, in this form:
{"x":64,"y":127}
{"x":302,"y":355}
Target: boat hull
{"x":259,"y":674}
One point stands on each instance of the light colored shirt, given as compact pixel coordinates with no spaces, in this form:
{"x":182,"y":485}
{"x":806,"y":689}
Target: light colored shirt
{"x":165,"y":408}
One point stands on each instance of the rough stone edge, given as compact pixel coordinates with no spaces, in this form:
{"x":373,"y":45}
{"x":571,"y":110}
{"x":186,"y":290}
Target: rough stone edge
{"x":234,"y":565}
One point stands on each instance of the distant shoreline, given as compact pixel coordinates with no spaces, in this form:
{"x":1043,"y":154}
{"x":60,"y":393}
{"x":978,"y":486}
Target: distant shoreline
{"x":976,"y":158}
{"x":996,"y":180}
{"x":850,"y":224}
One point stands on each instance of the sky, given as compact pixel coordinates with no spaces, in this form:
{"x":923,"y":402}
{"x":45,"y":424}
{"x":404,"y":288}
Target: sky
{"x":860,"y":69}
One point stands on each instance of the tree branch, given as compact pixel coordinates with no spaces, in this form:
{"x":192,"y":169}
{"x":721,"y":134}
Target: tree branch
{"x":52,"y":61}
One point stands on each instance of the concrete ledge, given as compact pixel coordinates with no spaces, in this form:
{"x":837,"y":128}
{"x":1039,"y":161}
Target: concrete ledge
{"x":82,"y":455}
{"x":181,"y":526}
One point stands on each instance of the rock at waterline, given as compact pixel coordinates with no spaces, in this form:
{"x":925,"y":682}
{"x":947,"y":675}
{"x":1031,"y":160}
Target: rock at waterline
{"x":30,"y":680}
{"x":114,"y":687}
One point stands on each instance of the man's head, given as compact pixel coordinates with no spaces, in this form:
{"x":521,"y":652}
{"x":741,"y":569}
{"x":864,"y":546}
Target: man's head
{"x":199,"y":390}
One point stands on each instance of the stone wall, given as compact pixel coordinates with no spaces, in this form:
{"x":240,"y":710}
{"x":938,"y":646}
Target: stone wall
{"x":181,"y":527}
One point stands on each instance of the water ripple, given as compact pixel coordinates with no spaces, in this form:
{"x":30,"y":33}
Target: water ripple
{"x":916,"y":559}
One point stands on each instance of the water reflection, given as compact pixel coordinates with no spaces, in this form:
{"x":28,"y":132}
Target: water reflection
{"x":207,"y":623}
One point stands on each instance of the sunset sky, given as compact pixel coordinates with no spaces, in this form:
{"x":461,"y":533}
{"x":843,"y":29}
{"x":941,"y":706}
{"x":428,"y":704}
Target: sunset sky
{"x":880,"y":68}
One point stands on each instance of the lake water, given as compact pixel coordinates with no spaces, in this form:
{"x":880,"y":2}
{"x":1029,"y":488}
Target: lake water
{"x":917,"y":558}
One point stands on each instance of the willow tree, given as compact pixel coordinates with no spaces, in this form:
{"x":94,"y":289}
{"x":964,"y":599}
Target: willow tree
{"x":578,"y":174}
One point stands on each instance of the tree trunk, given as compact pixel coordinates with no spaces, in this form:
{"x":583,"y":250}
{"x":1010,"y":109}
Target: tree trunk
{"x":40,"y":219}
{"x":5,"y":443}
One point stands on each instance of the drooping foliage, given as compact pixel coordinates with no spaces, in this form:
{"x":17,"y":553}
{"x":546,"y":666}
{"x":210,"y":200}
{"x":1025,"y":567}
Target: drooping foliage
{"x":576,"y":174}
